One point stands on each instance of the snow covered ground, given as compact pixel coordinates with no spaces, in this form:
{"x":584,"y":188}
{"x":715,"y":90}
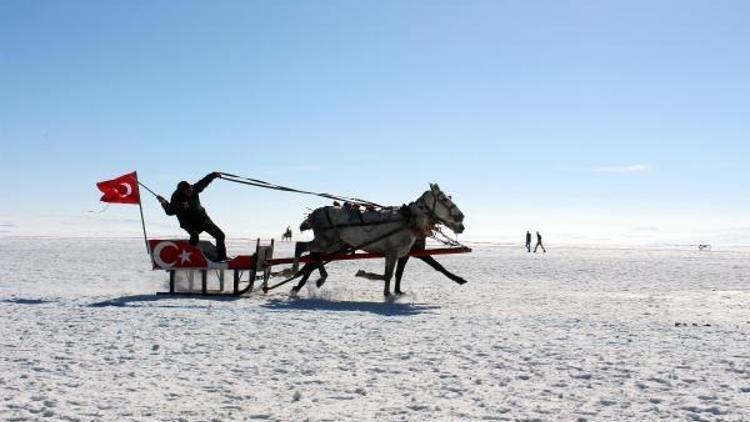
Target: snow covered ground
{"x":576,"y":334}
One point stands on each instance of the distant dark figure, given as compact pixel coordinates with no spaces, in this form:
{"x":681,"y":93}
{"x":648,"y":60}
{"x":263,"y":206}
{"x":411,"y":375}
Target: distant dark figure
{"x":287,"y":234}
{"x":528,"y":241}
{"x":186,"y":205}
{"x":539,"y":243}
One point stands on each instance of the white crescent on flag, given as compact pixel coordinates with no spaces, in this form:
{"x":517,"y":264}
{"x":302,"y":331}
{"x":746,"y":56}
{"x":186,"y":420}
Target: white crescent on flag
{"x":157,"y":254}
{"x":128,"y":190}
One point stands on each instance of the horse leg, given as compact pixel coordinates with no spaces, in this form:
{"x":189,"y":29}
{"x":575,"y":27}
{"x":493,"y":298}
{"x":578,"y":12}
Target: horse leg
{"x":306,"y":271}
{"x":436,"y":265}
{"x":368,"y":275}
{"x":299,"y":249}
{"x":323,"y":275}
{"x":390,"y":265}
{"x":319,"y":264}
{"x":400,"y":266}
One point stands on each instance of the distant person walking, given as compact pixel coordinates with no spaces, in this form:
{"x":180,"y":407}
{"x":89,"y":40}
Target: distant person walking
{"x":528,"y":241}
{"x":539,"y":243}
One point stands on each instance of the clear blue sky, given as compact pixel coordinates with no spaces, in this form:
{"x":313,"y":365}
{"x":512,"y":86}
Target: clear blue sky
{"x":586,"y":120}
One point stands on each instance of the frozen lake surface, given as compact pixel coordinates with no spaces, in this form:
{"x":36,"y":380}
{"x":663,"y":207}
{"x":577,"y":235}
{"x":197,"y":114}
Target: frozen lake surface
{"x":575,"y":334}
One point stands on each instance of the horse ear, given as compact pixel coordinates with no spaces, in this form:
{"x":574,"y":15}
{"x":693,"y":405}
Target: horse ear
{"x":434,"y":186}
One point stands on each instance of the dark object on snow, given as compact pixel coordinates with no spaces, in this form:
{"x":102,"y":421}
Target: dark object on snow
{"x":287,"y":235}
{"x":528,"y":241}
{"x":539,"y":243}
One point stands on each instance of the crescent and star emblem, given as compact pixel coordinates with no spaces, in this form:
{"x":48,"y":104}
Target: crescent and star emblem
{"x":157,"y":254}
{"x":183,"y":256}
{"x":128,"y":190}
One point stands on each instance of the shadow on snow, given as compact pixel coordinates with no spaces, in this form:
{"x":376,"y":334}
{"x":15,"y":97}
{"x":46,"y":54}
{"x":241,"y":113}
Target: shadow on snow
{"x":24,"y":301}
{"x":380,"y":308}
{"x":388,"y":308}
{"x":127,"y":300}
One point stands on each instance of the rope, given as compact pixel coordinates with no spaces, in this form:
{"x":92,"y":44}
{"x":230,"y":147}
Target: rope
{"x":358,"y":201}
{"x":266,"y":185}
{"x":443,"y":238}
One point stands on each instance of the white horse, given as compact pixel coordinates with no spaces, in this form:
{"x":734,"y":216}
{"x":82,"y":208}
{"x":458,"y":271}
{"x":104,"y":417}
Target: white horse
{"x":390,"y":232}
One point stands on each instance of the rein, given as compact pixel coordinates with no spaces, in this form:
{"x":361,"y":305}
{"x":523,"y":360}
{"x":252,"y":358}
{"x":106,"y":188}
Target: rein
{"x":266,"y":185}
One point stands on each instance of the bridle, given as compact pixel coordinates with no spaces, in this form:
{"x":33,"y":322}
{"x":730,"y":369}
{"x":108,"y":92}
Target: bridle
{"x":453,"y":210}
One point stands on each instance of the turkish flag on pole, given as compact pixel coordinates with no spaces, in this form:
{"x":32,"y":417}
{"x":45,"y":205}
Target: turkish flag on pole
{"x":123,"y":190}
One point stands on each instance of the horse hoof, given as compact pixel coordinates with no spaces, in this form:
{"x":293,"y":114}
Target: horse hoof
{"x":360,"y":273}
{"x":387,"y":294}
{"x":294,"y":291}
{"x":398,"y":292}
{"x":320,"y":283}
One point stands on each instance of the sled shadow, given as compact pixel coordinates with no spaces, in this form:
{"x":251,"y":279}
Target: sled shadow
{"x":24,"y":301}
{"x":385,"y":309}
{"x":125,"y":301}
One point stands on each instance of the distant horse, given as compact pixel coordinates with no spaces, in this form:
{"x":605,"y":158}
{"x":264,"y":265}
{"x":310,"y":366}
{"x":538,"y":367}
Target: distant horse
{"x":391,"y":232}
{"x":287,"y":234}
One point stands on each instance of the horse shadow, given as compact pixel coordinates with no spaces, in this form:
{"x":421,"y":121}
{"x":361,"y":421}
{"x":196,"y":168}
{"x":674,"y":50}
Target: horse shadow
{"x":126,"y":301}
{"x":379,"y":308}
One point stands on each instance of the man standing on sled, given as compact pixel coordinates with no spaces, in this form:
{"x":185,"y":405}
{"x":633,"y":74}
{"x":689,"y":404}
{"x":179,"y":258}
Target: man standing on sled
{"x":186,"y":205}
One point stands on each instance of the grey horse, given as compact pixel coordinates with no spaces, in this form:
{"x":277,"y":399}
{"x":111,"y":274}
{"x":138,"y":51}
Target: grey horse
{"x":391,"y":232}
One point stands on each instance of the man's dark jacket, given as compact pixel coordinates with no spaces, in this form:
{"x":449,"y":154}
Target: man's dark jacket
{"x":189,"y":211}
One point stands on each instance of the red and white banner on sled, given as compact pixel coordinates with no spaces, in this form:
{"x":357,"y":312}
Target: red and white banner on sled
{"x":170,"y":254}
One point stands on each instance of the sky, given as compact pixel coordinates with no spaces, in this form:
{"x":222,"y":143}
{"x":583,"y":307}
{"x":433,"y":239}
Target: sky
{"x":588,"y":121}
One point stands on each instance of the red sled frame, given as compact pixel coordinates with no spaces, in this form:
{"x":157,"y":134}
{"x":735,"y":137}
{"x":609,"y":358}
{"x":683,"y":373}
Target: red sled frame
{"x":178,"y":256}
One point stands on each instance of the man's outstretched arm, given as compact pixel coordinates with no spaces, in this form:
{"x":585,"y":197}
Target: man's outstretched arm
{"x":203,"y":183}
{"x":168,"y":208}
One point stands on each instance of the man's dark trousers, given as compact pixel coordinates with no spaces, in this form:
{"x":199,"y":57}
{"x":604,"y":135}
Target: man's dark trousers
{"x":215,"y":231}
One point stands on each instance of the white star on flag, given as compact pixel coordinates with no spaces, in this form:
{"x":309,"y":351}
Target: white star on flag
{"x":185,"y":256}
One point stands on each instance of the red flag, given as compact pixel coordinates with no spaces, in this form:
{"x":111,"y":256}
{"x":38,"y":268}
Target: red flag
{"x":123,"y":190}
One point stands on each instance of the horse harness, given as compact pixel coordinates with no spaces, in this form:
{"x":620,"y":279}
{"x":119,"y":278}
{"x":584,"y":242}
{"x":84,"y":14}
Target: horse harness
{"x":442,"y":199}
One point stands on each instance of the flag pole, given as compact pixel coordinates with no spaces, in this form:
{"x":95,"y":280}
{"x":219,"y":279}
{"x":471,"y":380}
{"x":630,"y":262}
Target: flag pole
{"x":143,"y":224}
{"x":143,"y":220}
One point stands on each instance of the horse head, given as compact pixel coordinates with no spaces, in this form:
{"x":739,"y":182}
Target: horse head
{"x":441,"y":209}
